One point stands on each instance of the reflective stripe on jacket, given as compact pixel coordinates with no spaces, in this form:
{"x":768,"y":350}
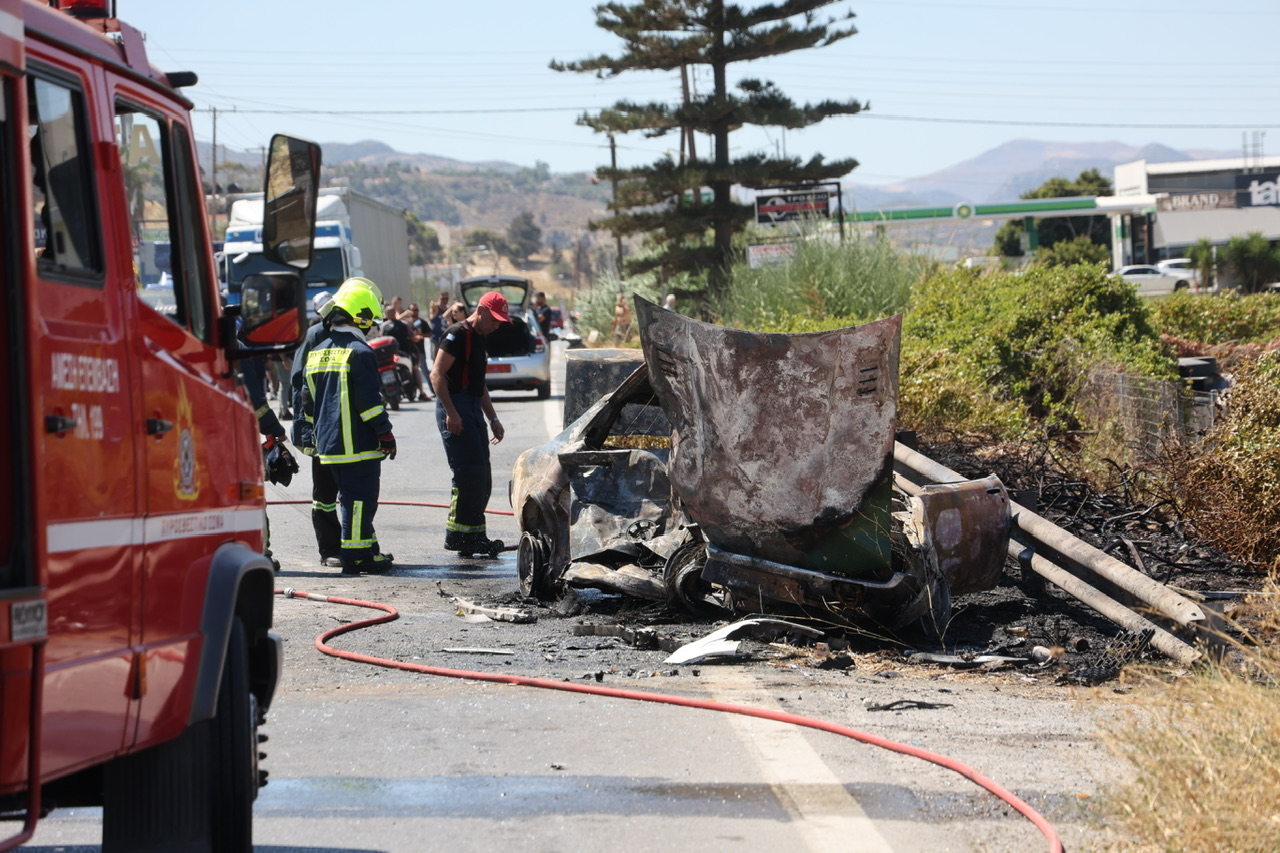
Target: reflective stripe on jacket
{"x":346,"y":399}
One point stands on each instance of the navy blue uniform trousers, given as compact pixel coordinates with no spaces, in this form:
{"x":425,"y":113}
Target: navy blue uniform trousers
{"x":468,"y":456}
{"x":358,"y":484}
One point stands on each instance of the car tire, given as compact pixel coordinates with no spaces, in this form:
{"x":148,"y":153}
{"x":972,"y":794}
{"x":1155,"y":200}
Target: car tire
{"x":682,"y":576}
{"x":544,"y":391}
{"x":533,"y":559}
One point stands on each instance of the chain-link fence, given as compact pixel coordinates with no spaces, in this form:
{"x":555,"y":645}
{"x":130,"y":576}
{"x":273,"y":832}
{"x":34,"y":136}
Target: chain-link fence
{"x":1143,"y":414}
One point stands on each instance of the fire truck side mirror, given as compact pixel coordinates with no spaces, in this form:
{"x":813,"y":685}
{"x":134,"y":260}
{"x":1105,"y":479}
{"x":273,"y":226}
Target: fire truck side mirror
{"x":271,"y":313}
{"x":290,"y":191}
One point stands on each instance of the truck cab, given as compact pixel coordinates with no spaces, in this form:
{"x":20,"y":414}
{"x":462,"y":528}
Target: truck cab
{"x":336,"y":256}
{"x":136,"y":657}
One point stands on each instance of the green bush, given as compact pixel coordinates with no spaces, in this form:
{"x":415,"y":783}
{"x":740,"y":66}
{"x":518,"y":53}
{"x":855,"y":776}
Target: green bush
{"x":1005,"y":354}
{"x":596,"y":305}
{"x":1219,"y":318}
{"x":825,"y":285}
{"x":1080,"y":250}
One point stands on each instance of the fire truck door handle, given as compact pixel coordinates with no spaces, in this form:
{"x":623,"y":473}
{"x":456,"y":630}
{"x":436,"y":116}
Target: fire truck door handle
{"x":59,"y":424}
{"x":156,"y":426}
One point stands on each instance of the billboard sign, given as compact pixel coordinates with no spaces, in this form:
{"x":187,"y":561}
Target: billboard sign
{"x":1258,"y":190}
{"x":792,"y":206}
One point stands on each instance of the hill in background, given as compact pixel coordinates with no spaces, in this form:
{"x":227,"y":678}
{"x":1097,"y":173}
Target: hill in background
{"x":1007,"y":171}
{"x":489,"y":194}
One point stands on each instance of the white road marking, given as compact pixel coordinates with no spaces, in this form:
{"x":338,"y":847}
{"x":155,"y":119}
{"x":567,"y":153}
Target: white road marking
{"x":827,"y":817}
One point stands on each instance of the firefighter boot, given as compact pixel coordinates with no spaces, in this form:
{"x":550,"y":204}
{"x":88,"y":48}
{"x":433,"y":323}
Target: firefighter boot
{"x":467,"y":544}
{"x":376,"y":564}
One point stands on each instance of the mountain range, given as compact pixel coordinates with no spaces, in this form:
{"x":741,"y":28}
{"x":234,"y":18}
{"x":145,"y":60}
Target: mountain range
{"x":1000,"y":174}
{"x":1006,"y":171}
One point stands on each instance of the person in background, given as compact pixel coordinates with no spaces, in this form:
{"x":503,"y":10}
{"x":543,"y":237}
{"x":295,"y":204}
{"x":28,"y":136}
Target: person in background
{"x":670,"y":302}
{"x":397,"y":328}
{"x":456,"y":314}
{"x":463,"y":408}
{"x":419,"y":333}
{"x":621,"y":320}
{"x":324,"y":489}
{"x":342,"y":398}
{"x":542,"y":311}
{"x":439,"y":322}
{"x":254,"y":373}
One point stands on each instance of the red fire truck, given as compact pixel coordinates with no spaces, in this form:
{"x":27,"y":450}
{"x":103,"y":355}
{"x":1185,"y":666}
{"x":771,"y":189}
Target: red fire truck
{"x":136,"y":660}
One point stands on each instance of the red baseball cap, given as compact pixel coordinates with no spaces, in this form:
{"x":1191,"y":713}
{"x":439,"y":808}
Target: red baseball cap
{"x":497,"y":305}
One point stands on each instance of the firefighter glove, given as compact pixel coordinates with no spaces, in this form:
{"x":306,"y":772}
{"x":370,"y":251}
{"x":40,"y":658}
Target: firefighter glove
{"x":281,"y":466}
{"x":387,"y":444}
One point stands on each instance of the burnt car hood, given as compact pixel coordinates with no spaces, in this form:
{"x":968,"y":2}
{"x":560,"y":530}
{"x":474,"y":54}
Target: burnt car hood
{"x":781,"y":445}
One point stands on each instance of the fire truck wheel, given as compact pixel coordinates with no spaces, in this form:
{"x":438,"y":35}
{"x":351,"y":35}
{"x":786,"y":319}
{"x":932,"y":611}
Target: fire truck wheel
{"x":197,"y":790}
{"x":233,"y":754}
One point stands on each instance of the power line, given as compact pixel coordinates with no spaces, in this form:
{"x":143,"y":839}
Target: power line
{"x":1022,"y":123}
{"x":862,"y":115}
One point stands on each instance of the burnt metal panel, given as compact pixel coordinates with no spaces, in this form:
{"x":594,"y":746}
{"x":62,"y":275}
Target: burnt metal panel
{"x":968,"y":525}
{"x":618,"y":498}
{"x":589,"y":374}
{"x":782,"y":445}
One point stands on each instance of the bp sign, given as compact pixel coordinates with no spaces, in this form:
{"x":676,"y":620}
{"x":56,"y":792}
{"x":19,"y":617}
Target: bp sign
{"x":790,"y":207}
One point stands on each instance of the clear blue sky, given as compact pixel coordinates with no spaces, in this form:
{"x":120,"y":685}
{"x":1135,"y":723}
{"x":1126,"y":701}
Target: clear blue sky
{"x":946,"y":79}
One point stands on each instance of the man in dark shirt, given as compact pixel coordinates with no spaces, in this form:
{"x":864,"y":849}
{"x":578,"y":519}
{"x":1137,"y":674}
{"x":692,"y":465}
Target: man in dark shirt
{"x":542,"y":311}
{"x":420,"y":332}
{"x":462,"y":409}
{"x":399,"y":329}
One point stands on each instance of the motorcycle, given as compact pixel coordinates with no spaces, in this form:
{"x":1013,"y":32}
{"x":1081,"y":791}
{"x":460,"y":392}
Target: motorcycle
{"x":395,"y":372}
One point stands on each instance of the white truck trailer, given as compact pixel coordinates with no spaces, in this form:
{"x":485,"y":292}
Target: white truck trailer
{"x":355,"y":235}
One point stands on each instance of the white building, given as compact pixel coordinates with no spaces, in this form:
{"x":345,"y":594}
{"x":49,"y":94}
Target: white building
{"x":1194,"y":200}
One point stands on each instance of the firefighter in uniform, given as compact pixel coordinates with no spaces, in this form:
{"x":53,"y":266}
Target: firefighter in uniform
{"x":279,"y":464}
{"x":324,"y":488}
{"x":343,"y":400}
{"x":463,"y":408}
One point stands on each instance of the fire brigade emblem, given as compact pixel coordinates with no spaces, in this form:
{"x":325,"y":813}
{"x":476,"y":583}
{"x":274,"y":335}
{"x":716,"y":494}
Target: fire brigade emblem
{"x":186,"y":475}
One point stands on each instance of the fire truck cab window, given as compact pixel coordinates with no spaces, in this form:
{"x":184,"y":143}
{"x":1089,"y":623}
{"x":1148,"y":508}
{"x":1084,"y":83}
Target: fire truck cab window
{"x":160,"y":190}
{"x":66,"y":238}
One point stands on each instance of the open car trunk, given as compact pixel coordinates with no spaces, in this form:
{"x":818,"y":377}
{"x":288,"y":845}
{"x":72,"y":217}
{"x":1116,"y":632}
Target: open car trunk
{"x":510,"y":339}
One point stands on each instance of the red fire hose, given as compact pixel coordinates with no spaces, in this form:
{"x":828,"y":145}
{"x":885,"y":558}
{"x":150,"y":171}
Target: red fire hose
{"x":390,"y":614}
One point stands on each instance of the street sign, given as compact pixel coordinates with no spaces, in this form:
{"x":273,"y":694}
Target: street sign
{"x":760,"y":255}
{"x":792,"y":206}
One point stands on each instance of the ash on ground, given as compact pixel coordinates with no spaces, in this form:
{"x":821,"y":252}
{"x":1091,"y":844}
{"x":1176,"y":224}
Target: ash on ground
{"x":1024,"y":625}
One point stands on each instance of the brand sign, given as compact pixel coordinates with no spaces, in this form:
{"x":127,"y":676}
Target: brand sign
{"x":1258,"y":190}
{"x":1195,"y":201}
{"x":789,"y":207}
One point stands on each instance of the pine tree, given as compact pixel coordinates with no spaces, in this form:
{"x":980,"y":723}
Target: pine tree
{"x":664,"y":199}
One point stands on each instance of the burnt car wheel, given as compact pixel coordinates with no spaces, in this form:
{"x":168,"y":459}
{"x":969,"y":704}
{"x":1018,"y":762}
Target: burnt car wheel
{"x":682,"y":577}
{"x":533,"y":556}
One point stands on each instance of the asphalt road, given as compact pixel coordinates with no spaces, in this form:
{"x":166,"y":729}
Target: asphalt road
{"x":370,"y":759}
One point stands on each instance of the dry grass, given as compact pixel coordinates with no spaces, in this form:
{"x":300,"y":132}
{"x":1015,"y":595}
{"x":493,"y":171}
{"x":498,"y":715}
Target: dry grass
{"x":1206,"y":752}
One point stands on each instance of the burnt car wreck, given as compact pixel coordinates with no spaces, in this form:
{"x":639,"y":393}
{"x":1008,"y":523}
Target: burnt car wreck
{"x":745,"y":472}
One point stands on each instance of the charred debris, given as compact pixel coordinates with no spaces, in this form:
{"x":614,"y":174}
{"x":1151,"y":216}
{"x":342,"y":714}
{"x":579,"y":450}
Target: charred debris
{"x":756,"y":479}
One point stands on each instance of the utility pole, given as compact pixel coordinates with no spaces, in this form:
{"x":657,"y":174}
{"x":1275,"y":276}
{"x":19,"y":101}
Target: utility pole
{"x":613,"y":162}
{"x":214,"y":173}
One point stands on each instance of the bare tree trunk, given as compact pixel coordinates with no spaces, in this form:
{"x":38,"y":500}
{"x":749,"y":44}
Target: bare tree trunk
{"x":718,"y":279}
